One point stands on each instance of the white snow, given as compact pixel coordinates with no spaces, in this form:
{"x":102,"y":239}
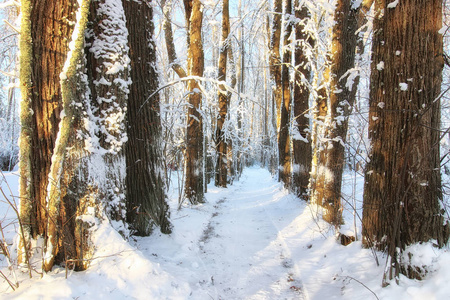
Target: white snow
{"x":403,"y":86}
{"x":393,"y":4}
{"x":252,"y":240}
{"x":380,"y":66}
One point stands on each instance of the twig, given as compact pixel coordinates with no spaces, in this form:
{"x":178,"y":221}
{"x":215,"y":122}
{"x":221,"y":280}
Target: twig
{"x":8,"y":281}
{"x":349,"y":277}
{"x":22,"y":232}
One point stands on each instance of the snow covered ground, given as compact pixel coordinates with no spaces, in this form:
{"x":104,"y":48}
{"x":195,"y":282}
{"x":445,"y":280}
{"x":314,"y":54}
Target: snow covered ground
{"x":250,"y":241}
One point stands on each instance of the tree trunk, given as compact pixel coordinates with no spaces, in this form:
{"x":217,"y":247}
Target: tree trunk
{"x":402,"y":191}
{"x":194,"y":132}
{"x":302,"y":149}
{"x":170,"y":45}
{"x":341,"y":99}
{"x":84,"y":166}
{"x":146,"y":197}
{"x":275,"y":57}
{"x":284,"y":140}
{"x":229,"y":141}
{"x":221,"y":167}
{"x":41,"y":104}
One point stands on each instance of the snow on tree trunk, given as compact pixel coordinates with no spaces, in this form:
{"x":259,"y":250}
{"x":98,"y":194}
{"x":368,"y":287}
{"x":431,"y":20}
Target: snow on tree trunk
{"x":341,"y":99}
{"x":302,"y":149}
{"x":402,"y":191}
{"x":109,"y":80}
{"x":86,"y":166}
{"x":65,"y":187}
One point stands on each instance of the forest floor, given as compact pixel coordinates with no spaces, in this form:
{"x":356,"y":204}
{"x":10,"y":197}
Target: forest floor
{"x":252,"y":240}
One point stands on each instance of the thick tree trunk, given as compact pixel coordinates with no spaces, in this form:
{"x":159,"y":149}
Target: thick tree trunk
{"x":284,"y":140}
{"x":68,"y":194}
{"x":146,"y":198}
{"x":221,"y":167}
{"x":402,"y":191}
{"x":43,"y":50}
{"x":194,"y":135}
{"x":73,"y":188}
{"x":41,"y":63}
{"x":302,"y":148}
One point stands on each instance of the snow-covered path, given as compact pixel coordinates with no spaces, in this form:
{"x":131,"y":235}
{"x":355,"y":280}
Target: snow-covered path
{"x":241,"y":249}
{"x":252,"y":240}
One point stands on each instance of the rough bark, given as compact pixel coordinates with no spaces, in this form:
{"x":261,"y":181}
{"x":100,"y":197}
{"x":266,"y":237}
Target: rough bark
{"x":221,"y":166}
{"x":73,"y":191}
{"x":146,"y":198}
{"x":41,"y":64}
{"x":194,"y":133}
{"x":43,"y":52}
{"x":66,"y":190}
{"x":302,"y":149}
{"x":402,"y":191}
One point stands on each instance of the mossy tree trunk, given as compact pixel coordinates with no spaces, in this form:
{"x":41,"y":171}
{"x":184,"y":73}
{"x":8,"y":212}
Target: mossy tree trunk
{"x":88,"y":140}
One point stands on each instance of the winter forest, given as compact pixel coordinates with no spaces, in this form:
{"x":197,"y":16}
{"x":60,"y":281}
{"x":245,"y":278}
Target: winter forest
{"x":243,"y":149}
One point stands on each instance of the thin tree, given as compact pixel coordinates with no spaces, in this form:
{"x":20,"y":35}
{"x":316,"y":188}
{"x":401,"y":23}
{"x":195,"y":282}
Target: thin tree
{"x":145,"y":194}
{"x":341,"y":99}
{"x":302,"y":149}
{"x":284,"y":140}
{"x":275,"y":59}
{"x":341,"y":96}
{"x":168,"y":35}
{"x":221,"y":166}
{"x":402,"y":191}
{"x":194,"y":132}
